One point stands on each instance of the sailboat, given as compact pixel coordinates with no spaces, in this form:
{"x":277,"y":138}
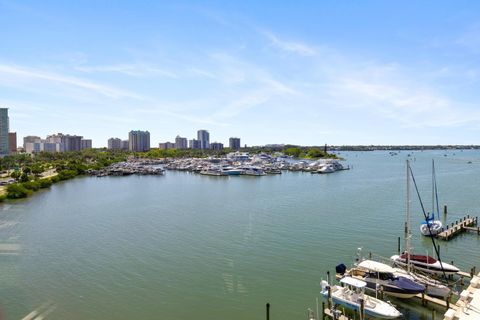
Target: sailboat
{"x":422,"y":263}
{"x":430,"y":226}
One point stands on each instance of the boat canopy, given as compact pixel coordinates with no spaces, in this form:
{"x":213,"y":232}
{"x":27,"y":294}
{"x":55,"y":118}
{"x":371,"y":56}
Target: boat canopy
{"x":376,"y":266}
{"x":419,"y":258}
{"x":353,"y":282}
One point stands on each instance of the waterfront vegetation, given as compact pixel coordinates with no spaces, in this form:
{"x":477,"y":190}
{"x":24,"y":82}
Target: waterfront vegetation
{"x":39,"y":171}
{"x":35,"y":172}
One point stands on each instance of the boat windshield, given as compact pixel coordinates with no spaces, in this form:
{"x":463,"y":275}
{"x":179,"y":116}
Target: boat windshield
{"x":381,"y":275}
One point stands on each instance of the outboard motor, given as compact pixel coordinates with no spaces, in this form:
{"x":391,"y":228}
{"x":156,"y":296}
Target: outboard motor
{"x":324,"y":284}
{"x":340,"y":269}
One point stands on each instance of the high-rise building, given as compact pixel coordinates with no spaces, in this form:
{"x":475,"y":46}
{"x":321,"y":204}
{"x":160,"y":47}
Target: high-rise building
{"x":216,"y":146}
{"x":204,"y":138}
{"x":86,"y":144}
{"x":181,"y":143}
{"x":138,"y":141}
{"x":234,"y":143}
{"x":73,"y":143}
{"x":115,"y":143}
{"x":31,"y":139}
{"x":124,"y":145}
{"x":12,"y":142}
{"x":67,"y":142}
{"x":4,"y":129}
{"x":166,"y":145}
{"x":34,"y":144}
{"x":194,"y":144}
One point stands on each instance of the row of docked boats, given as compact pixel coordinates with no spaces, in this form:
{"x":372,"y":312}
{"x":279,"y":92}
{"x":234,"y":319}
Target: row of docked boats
{"x":237,"y":163}
{"x":403,"y":276}
{"x":126,"y":168}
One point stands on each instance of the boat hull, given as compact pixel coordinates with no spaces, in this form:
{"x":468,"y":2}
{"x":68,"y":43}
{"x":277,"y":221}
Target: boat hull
{"x":435,"y":228}
{"x":387,"y":312}
{"x":432,"y":268}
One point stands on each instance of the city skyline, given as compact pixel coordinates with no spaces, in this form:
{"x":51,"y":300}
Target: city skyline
{"x":267,"y":72}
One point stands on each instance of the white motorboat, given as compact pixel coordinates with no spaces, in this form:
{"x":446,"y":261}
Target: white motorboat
{"x":327,"y":168}
{"x":351,"y":295}
{"x":213,"y":171}
{"x":252,"y":171}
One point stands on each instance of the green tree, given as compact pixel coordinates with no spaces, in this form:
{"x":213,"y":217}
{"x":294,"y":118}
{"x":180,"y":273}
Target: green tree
{"x":24,"y":177}
{"x":17,"y":191}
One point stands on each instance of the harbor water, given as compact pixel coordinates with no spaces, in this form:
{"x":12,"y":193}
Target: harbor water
{"x":187,"y":246}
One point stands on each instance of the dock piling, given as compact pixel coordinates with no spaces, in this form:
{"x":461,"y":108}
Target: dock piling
{"x":362,"y":309}
{"x":268,"y":311}
{"x":398,"y":245}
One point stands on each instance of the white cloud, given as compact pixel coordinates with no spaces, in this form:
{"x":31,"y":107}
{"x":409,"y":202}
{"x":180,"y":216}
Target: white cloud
{"x":135,"y":70}
{"x":30,"y":75}
{"x":290,"y":46}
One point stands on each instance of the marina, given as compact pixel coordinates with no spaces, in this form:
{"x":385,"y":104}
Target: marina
{"x":138,"y":245}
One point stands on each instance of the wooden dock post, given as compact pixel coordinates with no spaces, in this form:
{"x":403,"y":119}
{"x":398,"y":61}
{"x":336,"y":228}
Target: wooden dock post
{"x":433,"y":314}
{"x":268,"y":311}
{"x":398,"y":245}
{"x":445,"y":210}
{"x":362,"y":309}
{"x":329,"y":303}
{"x":323,"y":310}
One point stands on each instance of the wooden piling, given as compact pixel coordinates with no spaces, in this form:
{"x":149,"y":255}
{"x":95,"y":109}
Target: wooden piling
{"x":445,"y":209}
{"x":329,"y":303}
{"x":362,"y":309}
{"x":268,"y":311}
{"x":398,"y":245}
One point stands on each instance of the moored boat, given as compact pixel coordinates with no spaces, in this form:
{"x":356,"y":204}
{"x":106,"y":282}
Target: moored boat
{"x":424,"y":263}
{"x":351,"y":294}
{"x":377,"y":274}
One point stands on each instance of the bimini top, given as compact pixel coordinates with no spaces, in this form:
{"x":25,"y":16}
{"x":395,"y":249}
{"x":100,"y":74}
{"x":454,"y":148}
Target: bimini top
{"x":376,"y":266}
{"x":353,"y":282}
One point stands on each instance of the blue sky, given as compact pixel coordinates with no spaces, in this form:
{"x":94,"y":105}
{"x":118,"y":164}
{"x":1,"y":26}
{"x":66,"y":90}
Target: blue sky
{"x":302,"y":72}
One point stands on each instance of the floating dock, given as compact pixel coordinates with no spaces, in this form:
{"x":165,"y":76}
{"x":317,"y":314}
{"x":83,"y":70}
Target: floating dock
{"x":468,"y":305}
{"x":457,"y":227}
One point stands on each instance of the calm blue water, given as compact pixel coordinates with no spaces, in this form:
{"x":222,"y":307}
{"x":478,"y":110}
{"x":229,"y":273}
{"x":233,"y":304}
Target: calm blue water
{"x":185,"y":246}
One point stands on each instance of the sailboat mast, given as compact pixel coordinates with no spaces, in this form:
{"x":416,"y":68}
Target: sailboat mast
{"x":433,"y":187}
{"x":408,"y":234}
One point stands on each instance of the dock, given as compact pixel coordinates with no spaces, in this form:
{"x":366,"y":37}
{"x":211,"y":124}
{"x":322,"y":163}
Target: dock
{"x":328,"y":314}
{"x":468,"y":305}
{"x":459,"y":226}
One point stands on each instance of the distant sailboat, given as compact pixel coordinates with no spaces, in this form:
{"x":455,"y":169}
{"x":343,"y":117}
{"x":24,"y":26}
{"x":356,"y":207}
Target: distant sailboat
{"x":430,"y":226}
